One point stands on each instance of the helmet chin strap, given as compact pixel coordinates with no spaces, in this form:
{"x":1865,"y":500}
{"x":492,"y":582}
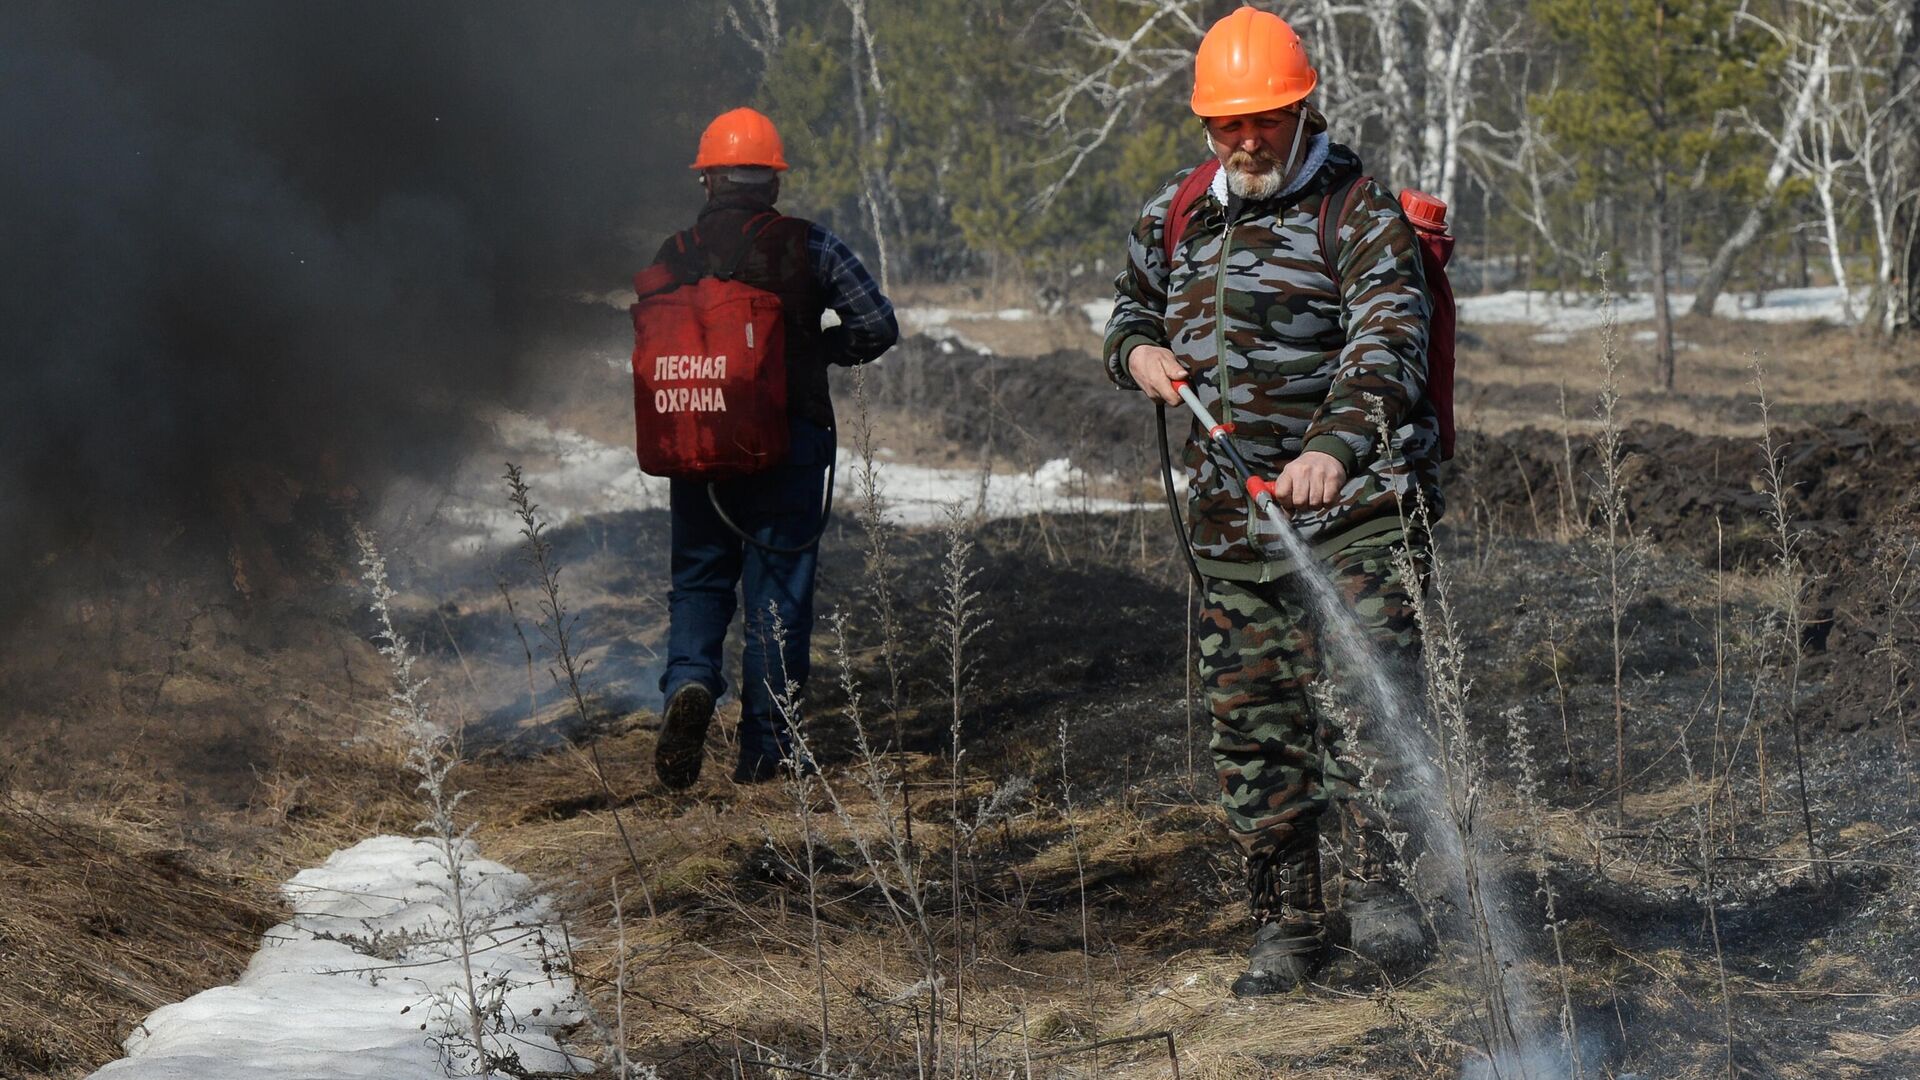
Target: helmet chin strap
{"x":1293,"y":154}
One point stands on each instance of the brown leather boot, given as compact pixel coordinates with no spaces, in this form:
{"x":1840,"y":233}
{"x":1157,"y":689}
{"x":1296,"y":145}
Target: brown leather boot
{"x":1290,"y":947}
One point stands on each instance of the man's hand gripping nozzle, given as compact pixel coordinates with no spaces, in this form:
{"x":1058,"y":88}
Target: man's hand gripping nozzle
{"x":1259,"y":489}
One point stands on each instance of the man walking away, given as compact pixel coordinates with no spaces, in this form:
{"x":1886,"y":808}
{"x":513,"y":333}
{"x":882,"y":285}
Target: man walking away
{"x":811,"y":271}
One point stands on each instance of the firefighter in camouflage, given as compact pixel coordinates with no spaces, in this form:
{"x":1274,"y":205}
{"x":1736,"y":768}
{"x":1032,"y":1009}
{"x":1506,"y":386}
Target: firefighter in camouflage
{"x":1295,"y":347}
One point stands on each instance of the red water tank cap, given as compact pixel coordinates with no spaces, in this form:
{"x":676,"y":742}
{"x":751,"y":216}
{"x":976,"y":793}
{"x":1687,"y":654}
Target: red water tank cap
{"x":1426,"y":212}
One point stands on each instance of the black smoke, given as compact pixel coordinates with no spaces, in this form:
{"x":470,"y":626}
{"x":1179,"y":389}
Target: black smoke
{"x":304,"y":239}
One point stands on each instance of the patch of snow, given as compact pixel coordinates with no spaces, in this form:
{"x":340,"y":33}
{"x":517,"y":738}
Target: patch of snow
{"x":920,"y":318}
{"x":1648,"y":337}
{"x":937,"y":323}
{"x":919,"y":495}
{"x":571,"y":474}
{"x":1553,"y":337}
{"x":1794,"y":305}
{"x":952,"y":340}
{"x":574,"y":475}
{"x":343,"y":990}
{"x":1097,"y":313}
{"x":1583,"y":312}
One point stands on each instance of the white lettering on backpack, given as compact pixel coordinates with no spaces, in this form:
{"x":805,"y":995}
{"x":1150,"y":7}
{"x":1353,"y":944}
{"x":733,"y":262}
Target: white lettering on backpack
{"x":689,"y":399}
{"x":689,"y":368}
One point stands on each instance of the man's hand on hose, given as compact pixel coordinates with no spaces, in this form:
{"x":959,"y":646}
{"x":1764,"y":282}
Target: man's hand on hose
{"x":1310,"y":481}
{"x":1155,"y":370}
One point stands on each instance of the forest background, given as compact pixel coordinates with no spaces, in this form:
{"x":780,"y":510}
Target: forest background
{"x":1711,"y":144}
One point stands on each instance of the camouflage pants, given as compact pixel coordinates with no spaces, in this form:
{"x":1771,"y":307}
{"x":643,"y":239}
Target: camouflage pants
{"x":1281,"y":760}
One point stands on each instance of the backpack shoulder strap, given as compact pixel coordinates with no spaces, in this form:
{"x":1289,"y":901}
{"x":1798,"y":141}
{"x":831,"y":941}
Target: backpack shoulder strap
{"x":752,"y":230}
{"x":1180,"y":210}
{"x":1340,"y":195}
{"x":683,"y":269}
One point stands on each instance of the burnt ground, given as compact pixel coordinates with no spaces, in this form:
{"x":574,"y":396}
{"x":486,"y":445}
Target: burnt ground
{"x":235,"y":769}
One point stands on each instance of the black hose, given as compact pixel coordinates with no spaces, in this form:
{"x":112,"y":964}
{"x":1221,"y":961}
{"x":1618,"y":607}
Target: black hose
{"x":1173,"y":501}
{"x":826,"y":516}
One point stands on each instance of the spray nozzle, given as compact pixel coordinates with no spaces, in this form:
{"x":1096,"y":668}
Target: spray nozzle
{"x":1259,"y":488}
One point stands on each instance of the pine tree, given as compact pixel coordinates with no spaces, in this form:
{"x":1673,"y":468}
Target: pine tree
{"x":1641,"y":118}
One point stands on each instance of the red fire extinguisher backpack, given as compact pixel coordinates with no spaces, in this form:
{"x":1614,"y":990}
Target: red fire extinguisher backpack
{"x":709,"y":372}
{"x":1426,"y":214}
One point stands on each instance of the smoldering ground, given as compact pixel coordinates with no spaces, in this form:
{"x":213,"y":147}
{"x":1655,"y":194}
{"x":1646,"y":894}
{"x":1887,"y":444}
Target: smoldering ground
{"x":296,"y":244}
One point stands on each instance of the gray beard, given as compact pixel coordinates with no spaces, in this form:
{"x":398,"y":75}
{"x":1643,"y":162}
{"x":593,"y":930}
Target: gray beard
{"x":1255,"y":186}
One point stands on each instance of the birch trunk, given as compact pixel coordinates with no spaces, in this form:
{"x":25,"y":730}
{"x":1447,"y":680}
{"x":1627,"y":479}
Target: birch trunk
{"x":1715,"y":280}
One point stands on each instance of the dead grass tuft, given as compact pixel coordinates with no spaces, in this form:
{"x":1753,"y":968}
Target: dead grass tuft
{"x":103,"y":925}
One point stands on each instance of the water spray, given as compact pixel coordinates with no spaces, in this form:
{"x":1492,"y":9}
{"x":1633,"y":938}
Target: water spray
{"x":1526,"y":1053}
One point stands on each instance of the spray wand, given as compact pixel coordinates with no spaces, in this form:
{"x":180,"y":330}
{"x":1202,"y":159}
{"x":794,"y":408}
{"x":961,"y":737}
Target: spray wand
{"x":1259,"y":488}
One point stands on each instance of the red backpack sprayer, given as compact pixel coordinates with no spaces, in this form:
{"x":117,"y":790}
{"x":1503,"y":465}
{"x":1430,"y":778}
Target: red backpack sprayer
{"x":710,"y":379}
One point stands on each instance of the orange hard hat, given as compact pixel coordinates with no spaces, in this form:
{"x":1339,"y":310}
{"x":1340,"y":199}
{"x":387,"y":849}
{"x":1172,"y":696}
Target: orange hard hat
{"x":740,"y":137}
{"x":1250,"y":62}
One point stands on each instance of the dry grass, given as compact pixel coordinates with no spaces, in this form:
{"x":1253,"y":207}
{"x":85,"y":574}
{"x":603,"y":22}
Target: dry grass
{"x":103,"y":923}
{"x":1859,"y":1054}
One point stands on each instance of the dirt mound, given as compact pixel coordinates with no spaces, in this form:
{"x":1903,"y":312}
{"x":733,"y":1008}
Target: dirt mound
{"x":1851,"y":503}
{"x":1021,"y":410}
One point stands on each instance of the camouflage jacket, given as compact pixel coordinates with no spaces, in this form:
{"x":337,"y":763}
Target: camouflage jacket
{"x":1249,"y":308}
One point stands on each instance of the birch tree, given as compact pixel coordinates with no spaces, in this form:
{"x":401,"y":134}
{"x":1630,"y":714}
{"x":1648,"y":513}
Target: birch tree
{"x":1878,"y":83}
{"x":1397,"y":74}
{"x":1904,"y":300}
{"x":1802,"y":78}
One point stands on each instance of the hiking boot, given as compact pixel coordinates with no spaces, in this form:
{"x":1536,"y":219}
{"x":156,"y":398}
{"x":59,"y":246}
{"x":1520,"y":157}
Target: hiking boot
{"x":1284,"y":956}
{"x":683,"y":736}
{"x":1385,"y":928}
{"x":1283,"y":895}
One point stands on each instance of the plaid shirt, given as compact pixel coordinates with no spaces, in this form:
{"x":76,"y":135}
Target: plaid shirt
{"x":866,"y":315}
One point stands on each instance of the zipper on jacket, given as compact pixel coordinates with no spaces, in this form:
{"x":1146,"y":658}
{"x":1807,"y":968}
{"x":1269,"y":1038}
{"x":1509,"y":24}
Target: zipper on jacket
{"x":1222,"y":378}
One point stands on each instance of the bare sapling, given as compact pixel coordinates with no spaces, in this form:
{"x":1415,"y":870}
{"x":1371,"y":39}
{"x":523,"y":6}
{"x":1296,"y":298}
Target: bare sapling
{"x":1896,"y":563}
{"x":799,"y":779}
{"x":1704,"y":833}
{"x":620,"y":985}
{"x":894,"y":867}
{"x":1573,"y":521}
{"x":557,"y":625}
{"x":1080,"y":874}
{"x":473,"y":1005}
{"x":1444,"y":653}
{"x":1621,"y":556}
{"x":1442,"y":763}
{"x":1792,"y":585}
{"x":879,"y":558}
{"x":960,"y":623}
{"x":1526,"y":791}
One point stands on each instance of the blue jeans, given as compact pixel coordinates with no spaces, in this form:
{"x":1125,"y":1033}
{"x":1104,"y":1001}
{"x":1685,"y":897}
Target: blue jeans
{"x":780,"y":507}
